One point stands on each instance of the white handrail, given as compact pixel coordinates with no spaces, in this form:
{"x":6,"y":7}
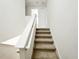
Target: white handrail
{"x":24,"y":40}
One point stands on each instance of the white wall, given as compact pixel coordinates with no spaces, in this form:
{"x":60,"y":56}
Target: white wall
{"x":14,"y":40}
{"x":28,"y":11}
{"x":42,"y":18}
{"x":28,"y":19}
{"x":12,"y":18}
{"x":42,"y":15}
{"x":62,"y":18}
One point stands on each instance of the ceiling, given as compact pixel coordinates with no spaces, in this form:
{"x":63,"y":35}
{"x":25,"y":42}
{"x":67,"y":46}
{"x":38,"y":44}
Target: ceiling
{"x":36,"y":3}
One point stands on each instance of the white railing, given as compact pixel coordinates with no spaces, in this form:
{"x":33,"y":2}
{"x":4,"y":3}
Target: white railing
{"x":26,"y":42}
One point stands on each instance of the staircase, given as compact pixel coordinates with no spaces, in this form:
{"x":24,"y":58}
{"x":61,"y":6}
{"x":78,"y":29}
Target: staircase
{"x":44,"y":46}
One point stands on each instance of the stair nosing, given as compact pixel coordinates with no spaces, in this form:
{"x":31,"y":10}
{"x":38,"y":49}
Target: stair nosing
{"x":42,"y":29}
{"x":42,"y":32}
{"x":44,"y":42}
{"x":45,"y":49}
{"x":43,"y":36}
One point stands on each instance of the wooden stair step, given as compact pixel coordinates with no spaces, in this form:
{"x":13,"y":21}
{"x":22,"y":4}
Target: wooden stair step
{"x":42,"y":32}
{"x":43,"y":36}
{"x":45,"y":46}
{"x":39,"y":30}
{"x":44,"y":54}
{"x":43,"y":40}
{"x":41,"y":58}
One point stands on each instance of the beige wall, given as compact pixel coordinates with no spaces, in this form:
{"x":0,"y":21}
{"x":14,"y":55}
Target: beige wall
{"x":8,"y":52}
{"x":62,"y":18}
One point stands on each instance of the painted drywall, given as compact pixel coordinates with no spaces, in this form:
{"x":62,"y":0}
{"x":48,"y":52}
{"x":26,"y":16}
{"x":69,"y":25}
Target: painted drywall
{"x":42,"y":17}
{"x":28,"y":19}
{"x":27,"y":10}
{"x":12,"y":18}
{"x":14,"y":40}
{"x":62,"y":18}
{"x":8,"y":52}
